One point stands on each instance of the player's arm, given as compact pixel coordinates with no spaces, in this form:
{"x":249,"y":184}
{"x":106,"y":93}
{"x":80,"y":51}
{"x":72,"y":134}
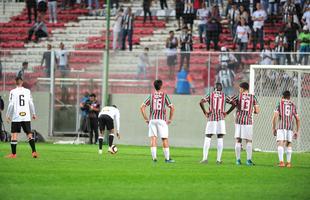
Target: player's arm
{"x":256,"y":109}
{"x":274,"y":122}
{"x":202,"y":106}
{"x":232,"y":107}
{"x":32,"y":109}
{"x":117,"y":121}
{"x":297,"y":126}
{"x":10,"y":108}
{"x":142,"y":109}
{"x":171,"y":113}
{"x":230,"y":100}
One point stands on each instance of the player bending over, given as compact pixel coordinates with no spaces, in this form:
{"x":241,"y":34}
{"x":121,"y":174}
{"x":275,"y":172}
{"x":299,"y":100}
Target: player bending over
{"x":19,"y":113}
{"x":216,"y":124}
{"x":246,"y":104}
{"x":107,"y":117}
{"x":285,"y":112}
{"x":158,"y":125}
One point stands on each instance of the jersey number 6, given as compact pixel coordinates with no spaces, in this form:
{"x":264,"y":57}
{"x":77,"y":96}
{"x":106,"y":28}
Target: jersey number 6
{"x":21,"y":100}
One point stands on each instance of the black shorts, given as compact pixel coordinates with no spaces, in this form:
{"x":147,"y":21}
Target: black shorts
{"x":105,"y":121}
{"x":16,"y":127}
{"x":178,"y":14}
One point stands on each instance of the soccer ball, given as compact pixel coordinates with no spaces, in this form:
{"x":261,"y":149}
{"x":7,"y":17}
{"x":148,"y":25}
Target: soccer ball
{"x":114,"y":148}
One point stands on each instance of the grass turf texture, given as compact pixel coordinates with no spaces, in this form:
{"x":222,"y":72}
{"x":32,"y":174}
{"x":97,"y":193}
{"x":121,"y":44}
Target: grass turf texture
{"x":78,"y":172}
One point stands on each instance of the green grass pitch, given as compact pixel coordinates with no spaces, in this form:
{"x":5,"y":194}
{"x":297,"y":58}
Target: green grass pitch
{"x":78,"y":172}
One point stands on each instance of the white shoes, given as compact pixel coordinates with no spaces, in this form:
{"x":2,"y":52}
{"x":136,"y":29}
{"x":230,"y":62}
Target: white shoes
{"x":100,"y":151}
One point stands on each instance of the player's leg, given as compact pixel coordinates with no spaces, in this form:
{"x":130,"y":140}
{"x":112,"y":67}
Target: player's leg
{"x":110,"y":127}
{"x":280,"y":144}
{"x":249,"y":151}
{"x":247,"y":133}
{"x":238,"y":143}
{"x":101,"y":134}
{"x":153,"y":136}
{"x":221,"y":131}
{"x":289,"y":150}
{"x":27,"y":129}
{"x":163,"y":131}
{"x":15,"y":129}
{"x":206,"y":147}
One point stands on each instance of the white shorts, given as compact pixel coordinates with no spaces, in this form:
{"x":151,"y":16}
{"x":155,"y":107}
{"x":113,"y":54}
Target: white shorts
{"x":284,"y":135}
{"x":244,"y":131}
{"x":216,"y":127}
{"x":158,"y":128}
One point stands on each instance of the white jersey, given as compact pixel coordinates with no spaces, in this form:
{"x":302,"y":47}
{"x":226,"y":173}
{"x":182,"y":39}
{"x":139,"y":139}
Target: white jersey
{"x":21,"y":105}
{"x":113,"y":113}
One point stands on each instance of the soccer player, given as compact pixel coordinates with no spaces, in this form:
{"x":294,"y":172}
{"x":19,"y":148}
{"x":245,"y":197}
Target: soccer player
{"x":246,"y":104}
{"x":20,"y":110}
{"x":107,"y":117}
{"x":216,"y":124}
{"x":285,"y":112}
{"x":157,"y":122}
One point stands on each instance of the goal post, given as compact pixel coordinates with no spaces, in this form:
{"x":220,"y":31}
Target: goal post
{"x":268,"y":82}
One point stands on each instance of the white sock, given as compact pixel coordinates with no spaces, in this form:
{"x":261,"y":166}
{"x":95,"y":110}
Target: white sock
{"x":249,"y":151}
{"x":238,"y":150}
{"x":280,"y":153}
{"x":206,"y":148}
{"x":153,"y":152}
{"x":289,"y":154}
{"x":167,"y":153}
{"x":220,"y":142}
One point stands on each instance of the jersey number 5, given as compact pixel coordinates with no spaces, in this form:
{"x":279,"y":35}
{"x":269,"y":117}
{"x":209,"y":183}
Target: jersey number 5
{"x":21,"y":100}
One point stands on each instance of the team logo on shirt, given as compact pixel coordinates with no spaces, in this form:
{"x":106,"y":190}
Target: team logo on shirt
{"x":22,"y":114}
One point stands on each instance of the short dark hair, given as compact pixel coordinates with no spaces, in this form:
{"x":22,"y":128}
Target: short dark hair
{"x":218,"y":86}
{"x":114,"y":106}
{"x":158,"y":84}
{"x":171,"y":32}
{"x":146,"y":48}
{"x":25,"y":63}
{"x":92,"y":95}
{"x":244,"y":85}
{"x":286,"y":94}
{"x":18,"y":78}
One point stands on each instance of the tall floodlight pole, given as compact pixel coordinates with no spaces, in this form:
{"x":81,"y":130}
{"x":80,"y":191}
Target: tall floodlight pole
{"x":105,"y":74}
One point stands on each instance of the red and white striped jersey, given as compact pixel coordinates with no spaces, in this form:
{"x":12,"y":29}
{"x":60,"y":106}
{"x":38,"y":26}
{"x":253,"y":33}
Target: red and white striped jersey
{"x":217,"y":101}
{"x":245,"y":103}
{"x":287,"y":110}
{"x":158,"y":102}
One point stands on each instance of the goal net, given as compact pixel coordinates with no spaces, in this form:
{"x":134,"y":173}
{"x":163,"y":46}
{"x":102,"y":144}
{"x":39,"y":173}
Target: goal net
{"x":268,"y":82}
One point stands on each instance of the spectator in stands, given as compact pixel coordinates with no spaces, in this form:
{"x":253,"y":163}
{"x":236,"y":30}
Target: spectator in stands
{"x":143,"y":62}
{"x":233,"y":18}
{"x":163,"y":4}
{"x":280,"y":47}
{"x":289,"y":9}
{"x":90,"y":5}
{"x":243,"y":13}
{"x":291,"y":30}
{"x":62,"y":56}
{"x":213,"y":28}
{"x":226,"y":58}
{"x":179,"y":8}
{"x":202,"y":15}
{"x":52,"y":9}
{"x":39,"y":29}
{"x":273,"y":8}
{"x":147,"y":9}
{"x":21,"y":72}
{"x":258,"y":17}
{"x":184,"y":82}
{"x":171,"y":46}
{"x":243,"y":34}
{"x":117,"y":34}
{"x":226,"y":77}
{"x":189,"y":13}
{"x":127,"y":29}
{"x":304,"y":45}
{"x":31,"y":4}
{"x":186,"y":45}
{"x":46,"y":58}
{"x":306,"y":18}
{"x":267,"y":55}
{"x":94,"y":108}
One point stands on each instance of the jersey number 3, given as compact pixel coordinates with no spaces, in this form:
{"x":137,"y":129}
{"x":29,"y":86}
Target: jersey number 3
{"x":21,"y":100}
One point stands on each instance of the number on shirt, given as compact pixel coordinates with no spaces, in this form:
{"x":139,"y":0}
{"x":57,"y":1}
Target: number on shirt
{"x":21,"y":100}
{"x":287,"y":110}
{"x":245,"y":105}
{"x":157,"y":104}
{"x":217,"y":102}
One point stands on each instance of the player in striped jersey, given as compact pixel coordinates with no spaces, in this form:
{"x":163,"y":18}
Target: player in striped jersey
{"x":20,"y":111}
{"x":285,"y":112}
{"x":246,"y":104}
{"x":216,"y":124}
{"x":157,"y":121}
